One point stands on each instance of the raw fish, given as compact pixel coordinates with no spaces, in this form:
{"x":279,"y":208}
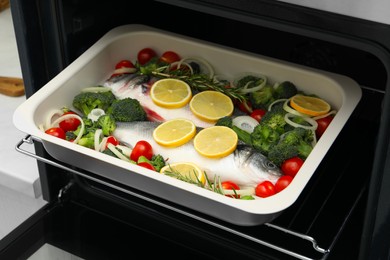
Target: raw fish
{"x":138,"y":87}
{"x":245,"y":166}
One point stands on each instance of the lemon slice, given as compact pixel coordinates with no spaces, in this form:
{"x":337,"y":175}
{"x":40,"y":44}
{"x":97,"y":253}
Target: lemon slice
{"x":174,"y":132}
{"x":170,"y":93}
{"x":311,"y":106}
{"x":185,"y":171}
{"x":211,"y":105}
{"x":215,"y":141}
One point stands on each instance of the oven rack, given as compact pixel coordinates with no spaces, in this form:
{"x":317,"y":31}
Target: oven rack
{"x":310,"y":242}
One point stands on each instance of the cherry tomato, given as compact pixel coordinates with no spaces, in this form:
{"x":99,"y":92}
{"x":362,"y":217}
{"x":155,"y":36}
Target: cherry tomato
{"x":111,"y":140}
{"x":56,"y":131}
{"x":245,"y":106}
{"x":141,"y":148}
{"x":283,"y":182}
{"x":145,"y":55}
{"x":258,"y":114}
{"x":147,"y":166}
{"x":229,"y":185}
{"x":169,"y":57}
{"x":265,"y":189}
{"x":291,"y":166}
{"x":69,"y":124}
{"x":323,"y":124}
{"x":124,"y":64}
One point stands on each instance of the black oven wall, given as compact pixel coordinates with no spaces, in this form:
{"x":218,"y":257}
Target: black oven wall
{"x":51,"y":34}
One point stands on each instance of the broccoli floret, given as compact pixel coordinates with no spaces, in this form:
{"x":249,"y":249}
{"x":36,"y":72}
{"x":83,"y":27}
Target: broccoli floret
{"x":296,"y":142}
{"x":127,"y":110}
{"x":249,"y":81}
{"x":262,"y":98}
{"x":241,"y":134}
{"x":157,"y":161}
{"x":89,"y":126}
{"x":264,"y":137}
{"x":286,"y":89}
{"x":225,"y":121}
{"x":70,"y":135}
{"x":281,"y":152}
{"x":86,"y":101}
{"x":87,"y":140}
{"x":107,"y":123}
{"x":275,"y":118}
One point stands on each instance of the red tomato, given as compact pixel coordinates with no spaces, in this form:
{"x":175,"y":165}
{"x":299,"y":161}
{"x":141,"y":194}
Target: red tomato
{"x":124,"y":64}
{"x":145,"y":55}
{"x":258,"y":114}
{"x":112,"y":140}
{"x":291,"y":166}
{"x":229,"y":185}
{"x":56,"y":131}
{"x":69,"y":124}
{"x":265,"y":189}
{"x":323,"y":124}
{"x":245,"y":106}
{"x":282,"y":183}
{"x":141,"y":148}
{"x":169,"y":57}
{"x":147,"y":166}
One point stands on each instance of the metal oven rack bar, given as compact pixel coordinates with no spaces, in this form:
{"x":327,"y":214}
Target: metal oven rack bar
{"x":29,"y":140}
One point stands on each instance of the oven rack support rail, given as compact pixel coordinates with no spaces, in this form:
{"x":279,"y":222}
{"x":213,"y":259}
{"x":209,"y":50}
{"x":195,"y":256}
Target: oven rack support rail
{"x":29,"y":140}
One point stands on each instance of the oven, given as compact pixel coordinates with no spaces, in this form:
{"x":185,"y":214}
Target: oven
{"x":343,"y":212}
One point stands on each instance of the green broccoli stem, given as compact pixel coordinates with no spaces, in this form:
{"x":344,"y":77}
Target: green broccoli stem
{"x":243,"y":135}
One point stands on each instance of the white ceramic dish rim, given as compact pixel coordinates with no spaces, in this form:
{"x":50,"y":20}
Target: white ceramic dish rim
{"x":350,"y":95}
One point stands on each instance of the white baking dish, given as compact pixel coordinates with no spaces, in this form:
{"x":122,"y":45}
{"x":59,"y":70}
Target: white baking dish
{"x":96,"y":65}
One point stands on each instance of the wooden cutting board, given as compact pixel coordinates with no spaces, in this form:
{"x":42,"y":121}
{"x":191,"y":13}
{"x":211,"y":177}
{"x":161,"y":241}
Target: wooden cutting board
{"x":10,"y":86}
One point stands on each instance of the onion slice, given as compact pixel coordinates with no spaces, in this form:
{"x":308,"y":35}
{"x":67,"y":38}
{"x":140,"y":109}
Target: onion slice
{"x":117,"y":153}
{"x":98,"y":135}
{"x":291,"y":110}
{"x":96,"y":89}
{"x":241,"y":192}
{"x":49,"y":119}
{"x":246,"y":123}
{"x":200,"y":61}
{"x":332,"y":112}
{"x":311,"y":121}
{"x":95,"y":114}
{"x":125,"y":150}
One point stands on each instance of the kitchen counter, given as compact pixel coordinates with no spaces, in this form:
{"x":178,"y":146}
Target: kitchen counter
{"x":17,"y":171}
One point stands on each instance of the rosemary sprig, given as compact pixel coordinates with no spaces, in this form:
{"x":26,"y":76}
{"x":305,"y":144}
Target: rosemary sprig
{"x":214,"y":186}
{"x":197,"y":81}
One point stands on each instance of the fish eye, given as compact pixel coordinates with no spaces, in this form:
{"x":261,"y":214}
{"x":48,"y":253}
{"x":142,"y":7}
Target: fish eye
{"x":270,"y":164}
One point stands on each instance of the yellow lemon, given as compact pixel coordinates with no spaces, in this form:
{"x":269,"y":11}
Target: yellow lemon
{"x":211,"y":105}
{"x":185,"y":171}
{"x":170,"y":93}
{"x":216,"y":141}
{"x":311,"y":106}
{"x":174,"y":132}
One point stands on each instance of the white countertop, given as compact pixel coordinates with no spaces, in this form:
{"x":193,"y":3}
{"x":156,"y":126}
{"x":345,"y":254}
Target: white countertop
{"x":17,"y":171}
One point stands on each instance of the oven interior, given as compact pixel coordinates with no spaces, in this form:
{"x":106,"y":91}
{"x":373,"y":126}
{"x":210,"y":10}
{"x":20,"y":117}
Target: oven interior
{"x":335,"y":215}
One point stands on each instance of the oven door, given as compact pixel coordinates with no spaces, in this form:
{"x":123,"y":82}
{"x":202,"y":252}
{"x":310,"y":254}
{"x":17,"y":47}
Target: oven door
{"x":121,"y":223}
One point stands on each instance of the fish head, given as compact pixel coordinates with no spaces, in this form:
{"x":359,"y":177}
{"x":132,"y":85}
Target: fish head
{"x":256,"y":165}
